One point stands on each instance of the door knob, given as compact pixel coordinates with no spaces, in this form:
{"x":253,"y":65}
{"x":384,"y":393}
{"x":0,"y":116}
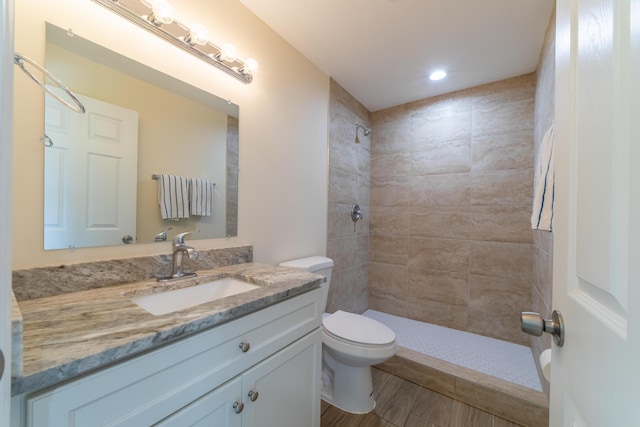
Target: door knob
{"x":534,"y":324}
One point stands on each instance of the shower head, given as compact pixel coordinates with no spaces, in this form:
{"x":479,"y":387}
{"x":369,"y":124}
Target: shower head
{"x":365,"y":131}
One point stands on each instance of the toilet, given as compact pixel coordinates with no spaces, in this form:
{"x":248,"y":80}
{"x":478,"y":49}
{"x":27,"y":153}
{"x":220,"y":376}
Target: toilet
{"x":351,"y":343}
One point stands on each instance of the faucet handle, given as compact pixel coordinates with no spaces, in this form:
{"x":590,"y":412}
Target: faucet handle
{"x":179,"y":239}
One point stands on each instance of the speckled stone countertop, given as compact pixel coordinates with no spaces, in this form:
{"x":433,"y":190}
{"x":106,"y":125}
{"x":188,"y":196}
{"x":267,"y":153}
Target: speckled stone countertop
{"x":73,"y":333}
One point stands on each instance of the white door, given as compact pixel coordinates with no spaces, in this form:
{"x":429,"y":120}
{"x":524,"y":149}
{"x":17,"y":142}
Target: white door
{"x":90,"y":174}
{"x":6,"y":118}
{"x":595,"y":376}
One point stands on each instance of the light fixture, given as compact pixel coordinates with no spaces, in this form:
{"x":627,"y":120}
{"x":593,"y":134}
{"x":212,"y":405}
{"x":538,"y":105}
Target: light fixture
{"x":438,"y":75}
{"x":158,"y":17}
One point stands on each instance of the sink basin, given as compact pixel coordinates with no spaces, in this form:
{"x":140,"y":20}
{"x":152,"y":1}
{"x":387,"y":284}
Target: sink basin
{"x":190,"y":296}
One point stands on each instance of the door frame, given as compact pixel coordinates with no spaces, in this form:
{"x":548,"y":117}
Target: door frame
{"x":6,"y":160}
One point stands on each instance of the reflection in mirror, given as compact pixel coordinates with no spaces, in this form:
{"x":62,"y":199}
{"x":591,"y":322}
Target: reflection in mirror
{"x":99,"y":172}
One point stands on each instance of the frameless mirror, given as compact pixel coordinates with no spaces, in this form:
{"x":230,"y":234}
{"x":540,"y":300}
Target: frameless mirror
{"x":101,"y":168}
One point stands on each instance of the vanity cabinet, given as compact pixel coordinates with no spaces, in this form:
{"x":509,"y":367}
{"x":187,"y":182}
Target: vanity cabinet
{"x":262,"y":369}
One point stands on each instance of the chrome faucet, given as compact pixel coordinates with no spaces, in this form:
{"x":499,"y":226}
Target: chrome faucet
{"x":178,"y":250}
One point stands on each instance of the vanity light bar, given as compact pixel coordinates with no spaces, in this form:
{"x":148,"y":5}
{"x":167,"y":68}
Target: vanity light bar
{"x":140,"y":12}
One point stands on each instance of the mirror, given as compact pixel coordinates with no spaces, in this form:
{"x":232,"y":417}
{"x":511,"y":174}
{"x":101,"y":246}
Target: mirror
{"x":98,"y":193}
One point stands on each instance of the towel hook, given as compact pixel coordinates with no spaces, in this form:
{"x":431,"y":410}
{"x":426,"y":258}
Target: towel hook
{"x":19,"y":60}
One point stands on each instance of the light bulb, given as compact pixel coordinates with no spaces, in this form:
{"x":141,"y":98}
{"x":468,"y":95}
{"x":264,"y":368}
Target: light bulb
{"x":437,"y":75}
{"x":163,"y":12}
{"x":250,"y":66}
{"x":198,"y":34}
{"x":228,"y":52}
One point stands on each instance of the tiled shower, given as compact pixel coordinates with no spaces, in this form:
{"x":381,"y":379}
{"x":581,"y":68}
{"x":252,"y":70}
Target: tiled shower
{"x":446,"y":187}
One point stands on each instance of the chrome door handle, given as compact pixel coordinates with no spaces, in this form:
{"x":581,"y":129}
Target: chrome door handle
{"x":534,"y":324}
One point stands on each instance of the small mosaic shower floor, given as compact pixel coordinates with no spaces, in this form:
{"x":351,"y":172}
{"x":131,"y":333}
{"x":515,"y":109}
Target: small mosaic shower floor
{"x":502,"y":359}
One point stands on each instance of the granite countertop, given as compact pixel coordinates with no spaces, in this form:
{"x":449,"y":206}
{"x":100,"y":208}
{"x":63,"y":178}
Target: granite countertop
{"x":66,"y":335}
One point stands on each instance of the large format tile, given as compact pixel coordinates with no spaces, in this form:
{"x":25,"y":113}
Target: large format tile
{"x":502,"y":188}
{"x":439,"y":254}
{"x":440,"y":190}
{"x":503,"y":151}
{"x":450,"y":222}
{"x":433,"y":407}
{"x":389,"y":221}
{"x":501,"y":224}
{"x":441,"y":157}
{"x":512,"y":260}
{"x":494,"y":295}
{"x":390,"y":192}
{"x":442,"y":286}
{"x":389,"y":249}
{"x":391,"y":164}
{"x":394,"y":398}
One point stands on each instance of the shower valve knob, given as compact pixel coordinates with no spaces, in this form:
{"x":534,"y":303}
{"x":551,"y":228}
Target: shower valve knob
{"x":534,"y":324}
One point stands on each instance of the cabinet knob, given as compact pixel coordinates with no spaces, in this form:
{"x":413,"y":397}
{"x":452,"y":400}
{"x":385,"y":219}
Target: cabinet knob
{"x":253,"y":395}
{"x":238,"y":407}
{"x":244,"y":346}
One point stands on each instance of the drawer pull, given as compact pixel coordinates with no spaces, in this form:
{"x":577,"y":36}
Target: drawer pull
{"x":244,"y":346}
{"x":238,"y":407}
{"x":253,"y":395}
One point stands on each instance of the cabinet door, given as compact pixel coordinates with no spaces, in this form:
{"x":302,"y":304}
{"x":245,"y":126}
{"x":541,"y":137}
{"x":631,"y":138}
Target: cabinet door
{"x":284,"y":390}
{"x":221,"y":407}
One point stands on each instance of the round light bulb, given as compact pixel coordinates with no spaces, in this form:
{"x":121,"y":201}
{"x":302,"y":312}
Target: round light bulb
{"x":251,"y":66}
{"x":162,"y":12}
{"x":437,"y":75}
{"x":228,"y":52}
{"x":198,"y":34}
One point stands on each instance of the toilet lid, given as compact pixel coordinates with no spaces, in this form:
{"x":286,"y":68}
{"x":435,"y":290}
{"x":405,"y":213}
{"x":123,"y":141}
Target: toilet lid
{"x":358,"y":328}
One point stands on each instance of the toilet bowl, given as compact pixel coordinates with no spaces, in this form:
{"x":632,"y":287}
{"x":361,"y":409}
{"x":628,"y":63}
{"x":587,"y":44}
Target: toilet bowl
{"x":351,"y":343}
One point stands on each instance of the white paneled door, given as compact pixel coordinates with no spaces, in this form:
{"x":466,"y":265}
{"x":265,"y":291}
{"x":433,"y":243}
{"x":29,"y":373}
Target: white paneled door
{"x":595,"y":376}
{"x":90,"y":174}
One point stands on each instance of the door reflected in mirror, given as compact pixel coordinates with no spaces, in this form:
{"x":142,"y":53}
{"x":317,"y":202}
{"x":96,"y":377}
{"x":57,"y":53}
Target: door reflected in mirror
{"x":99,"y":169}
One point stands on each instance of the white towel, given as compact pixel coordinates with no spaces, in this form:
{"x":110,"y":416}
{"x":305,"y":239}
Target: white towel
{"x":201,"y":197}
{"x":173,"y":196}
{"x":543,"y":186}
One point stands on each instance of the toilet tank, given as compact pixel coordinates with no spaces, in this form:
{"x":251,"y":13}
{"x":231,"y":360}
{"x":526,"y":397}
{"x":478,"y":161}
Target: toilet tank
{"x":315,"y":264}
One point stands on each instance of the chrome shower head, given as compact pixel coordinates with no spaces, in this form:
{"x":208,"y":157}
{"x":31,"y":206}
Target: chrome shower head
{"x":365,"y":131}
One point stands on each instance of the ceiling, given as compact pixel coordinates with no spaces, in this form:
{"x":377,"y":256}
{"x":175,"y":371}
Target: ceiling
{"x":381,"y":51}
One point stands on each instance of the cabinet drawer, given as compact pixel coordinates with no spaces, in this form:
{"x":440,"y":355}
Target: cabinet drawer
{"x":147,"y":388}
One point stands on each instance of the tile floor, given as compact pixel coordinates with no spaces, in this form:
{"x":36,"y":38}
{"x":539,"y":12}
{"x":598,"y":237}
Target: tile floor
{"x":401,"y":403}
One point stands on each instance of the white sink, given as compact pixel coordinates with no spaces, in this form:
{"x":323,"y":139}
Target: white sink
{"x":190,"y":296}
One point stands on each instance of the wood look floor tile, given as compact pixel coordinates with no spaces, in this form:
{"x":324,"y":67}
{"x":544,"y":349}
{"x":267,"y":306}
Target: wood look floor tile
{"x":334,"y":417}
{"x":501,"y":422}
{"x":372,"y":420}
{"x":395,"y":399}
{"x":415,"y":421}
{"x":433,"y":407}
{"x":463,"y":415}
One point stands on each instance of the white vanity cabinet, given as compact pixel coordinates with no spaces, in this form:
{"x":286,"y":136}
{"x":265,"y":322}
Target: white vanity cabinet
{"x":210,"y":378}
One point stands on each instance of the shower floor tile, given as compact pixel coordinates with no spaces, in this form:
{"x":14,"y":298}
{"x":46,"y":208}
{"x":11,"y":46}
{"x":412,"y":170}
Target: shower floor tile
{"x":501,"y":359}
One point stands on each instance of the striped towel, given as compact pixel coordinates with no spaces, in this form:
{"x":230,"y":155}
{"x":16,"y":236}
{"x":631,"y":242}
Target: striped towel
{"x":201,"y":197}
{"x":173,"y":196}
{"x":543,"y":185}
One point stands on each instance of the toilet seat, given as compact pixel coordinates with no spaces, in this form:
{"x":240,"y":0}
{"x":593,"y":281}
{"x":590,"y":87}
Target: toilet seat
{"x":357,"y":329}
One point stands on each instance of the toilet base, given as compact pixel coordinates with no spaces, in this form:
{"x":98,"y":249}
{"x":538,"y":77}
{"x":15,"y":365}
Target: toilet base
{"x":349,"y":388}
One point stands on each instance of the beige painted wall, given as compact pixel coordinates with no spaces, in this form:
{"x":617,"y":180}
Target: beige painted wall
{"x":283,"y":131}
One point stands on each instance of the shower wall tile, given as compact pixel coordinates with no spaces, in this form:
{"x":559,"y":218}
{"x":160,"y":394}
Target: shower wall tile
{"x":439,"y":254}
{"x":440,"y":190}
{"x":511,"y":260}
{"x":390,"y":165}
{"x":498,"y":295}
{"x":438,"y":313}
{"x":503,"y":188}
{"x":389,"y":222}
{"x":389,"y":249}
{"x":501,"y":326}
{"x":542,"y":273}
{"x":503,"y":151}
{"x":390,"y":192}
{"x":441,"y":286}
{"x":501,"y":224}
{"x":451,"y":191}
{"x":450,"y":222}
{"x":436,"y":157}
{"x":349,"y":182}
{"x":343,"y":186}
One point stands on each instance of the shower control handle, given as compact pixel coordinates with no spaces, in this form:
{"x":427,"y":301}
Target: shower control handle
{"x":534,"y":324}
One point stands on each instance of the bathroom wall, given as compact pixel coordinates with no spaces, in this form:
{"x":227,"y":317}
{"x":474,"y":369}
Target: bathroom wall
{"x":349,"y":178}
{"x":543,"y":240}
{"x":451,"y":194}
{"x":283,"y":128}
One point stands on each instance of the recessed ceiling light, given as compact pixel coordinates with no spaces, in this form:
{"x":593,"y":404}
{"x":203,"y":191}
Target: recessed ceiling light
{"x":438,"y":75}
